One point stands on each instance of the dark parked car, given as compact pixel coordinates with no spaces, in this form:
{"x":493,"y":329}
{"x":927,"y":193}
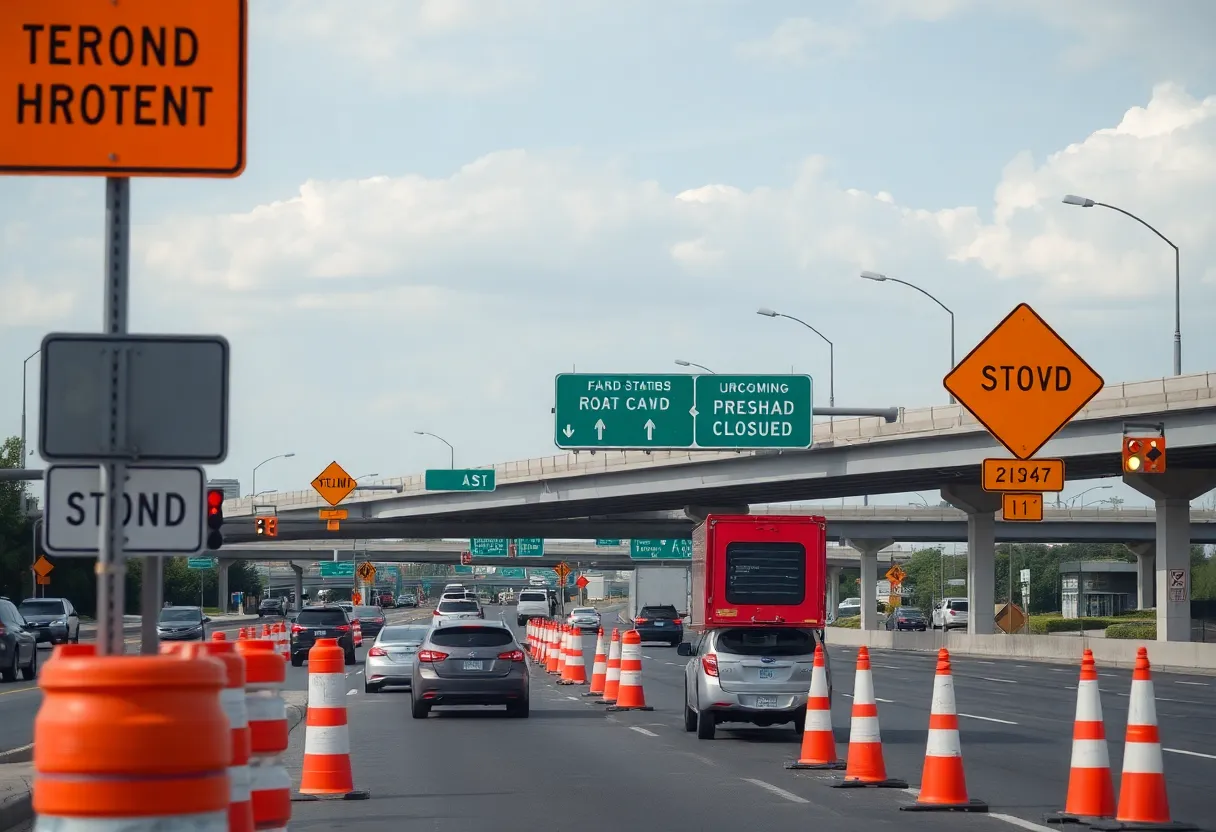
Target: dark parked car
{"x":54,"y":619}
{"x":371,"y":621}
{"x":321,"y":622}
{"x":660,"y":623}
{"x":907,"y":619}
{"x":272,"y":606}
{"x":18,"y":644}
{"x":182,"y":624}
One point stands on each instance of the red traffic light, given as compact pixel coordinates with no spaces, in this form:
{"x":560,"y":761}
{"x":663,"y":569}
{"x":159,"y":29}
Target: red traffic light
{"x":215,"y":501}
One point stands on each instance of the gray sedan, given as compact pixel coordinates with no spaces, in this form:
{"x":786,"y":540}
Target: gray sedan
{"x":470,"y":662}
{"x":390,"y":661}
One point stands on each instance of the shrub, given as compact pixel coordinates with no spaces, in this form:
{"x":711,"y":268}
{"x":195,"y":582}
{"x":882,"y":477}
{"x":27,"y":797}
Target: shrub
{"x":853,"y":622}
{"x":1045,"y":625}
{"x":1150,"y":615}
{"x":1139,"y":631}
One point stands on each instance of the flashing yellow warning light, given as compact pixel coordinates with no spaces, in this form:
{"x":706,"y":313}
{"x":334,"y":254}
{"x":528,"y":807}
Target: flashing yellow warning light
{"x":1144,"y":455}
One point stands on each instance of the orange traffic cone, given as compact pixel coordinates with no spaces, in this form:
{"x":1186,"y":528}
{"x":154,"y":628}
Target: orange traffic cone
{"x":553,"y":656}
{"x":943,"y":786}
{"x":865,"y":764}
{"x":576,"y":666}
{"x":630,"y":696}
{"x":1090,"y":790}
{"x":265,"y":632}
{"x":327,"y":769}
{"x":1142,"y":797}
{"x":599,"y":667}
{"x":818,"y":742}
{"x":563,"y":652}
{"x":612,"y":678}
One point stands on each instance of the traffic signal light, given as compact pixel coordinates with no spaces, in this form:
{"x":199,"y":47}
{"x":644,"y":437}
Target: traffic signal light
{"x":466,"y":558}
{"x":1144,"y":454}
{"x":215,"y":518}
{"x":266,"y":526}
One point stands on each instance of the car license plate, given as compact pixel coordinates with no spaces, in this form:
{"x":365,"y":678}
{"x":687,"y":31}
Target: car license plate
{"x":472,"y":665}
{"x":320,"y":633}
{"x":766,"y":701}
{"x":767,"y":673}
{"x":660,"y":623}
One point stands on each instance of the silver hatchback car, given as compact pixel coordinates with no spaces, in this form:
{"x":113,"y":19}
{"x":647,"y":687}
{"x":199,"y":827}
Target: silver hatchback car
{"x":470,"y":662}
{"x":756,"y":675}
{"x":390,"y":660}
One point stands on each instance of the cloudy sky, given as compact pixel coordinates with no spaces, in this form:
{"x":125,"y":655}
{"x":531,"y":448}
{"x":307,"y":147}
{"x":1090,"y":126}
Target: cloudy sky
{"x":449,"y":201}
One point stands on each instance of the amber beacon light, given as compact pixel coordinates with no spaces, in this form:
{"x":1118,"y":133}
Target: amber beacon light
{"x":215,"y":518}
{"x":1144,"y":455}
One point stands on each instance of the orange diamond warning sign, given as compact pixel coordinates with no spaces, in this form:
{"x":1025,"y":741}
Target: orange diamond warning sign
{"x":1023,"y":382}
{"x":334,"y":484}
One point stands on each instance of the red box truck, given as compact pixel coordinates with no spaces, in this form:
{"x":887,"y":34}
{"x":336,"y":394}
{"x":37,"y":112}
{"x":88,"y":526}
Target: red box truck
{"x":766,"y":570}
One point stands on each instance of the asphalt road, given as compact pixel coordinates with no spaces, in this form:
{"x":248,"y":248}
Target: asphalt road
{"x":19,"y":701}
{"x":466,"y":769}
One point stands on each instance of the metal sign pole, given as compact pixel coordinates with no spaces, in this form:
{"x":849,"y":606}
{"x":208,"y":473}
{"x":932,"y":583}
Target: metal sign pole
{"x":111,"y":565}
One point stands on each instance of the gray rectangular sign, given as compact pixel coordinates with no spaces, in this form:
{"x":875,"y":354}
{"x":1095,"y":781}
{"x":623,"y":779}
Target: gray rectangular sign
{"x":175,"y":408}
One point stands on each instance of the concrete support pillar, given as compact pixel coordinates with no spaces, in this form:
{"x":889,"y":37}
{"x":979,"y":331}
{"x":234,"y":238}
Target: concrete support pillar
{"x":298,"y":575}
{"x":1172,"y":492}
{"x":221,"y":568}
{"x":833,"y":589}
{"x":868,"y":550}
{"x":1146,"y":574}
{"x":981,"y":507}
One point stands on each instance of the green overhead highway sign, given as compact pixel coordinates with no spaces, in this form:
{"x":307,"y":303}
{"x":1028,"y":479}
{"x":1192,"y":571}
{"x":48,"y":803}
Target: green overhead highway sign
{"x":488,"y":547}
{"x":460,"y":479}
{"x":680,"y":549}
{"x":754,"y":411}
{"x":511,"y":572}
{"x":647,"y":411}
{"x":607,"y":541}
{"x":530,"y":547}
{"x":337,"y":569}
{"x":610,"y":410}
{"x":200,"y":563}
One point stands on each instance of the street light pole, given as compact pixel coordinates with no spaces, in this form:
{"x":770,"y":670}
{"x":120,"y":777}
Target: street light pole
{"x":683,"y":363}
{"x":253,"y":486}
{"x":769,"y":313}
{"x":1084,"y":202}
{"x":24,"y":373}
{"x":451,"y":450}
{"x":1072,"y":501}
{"x":882,"y":278}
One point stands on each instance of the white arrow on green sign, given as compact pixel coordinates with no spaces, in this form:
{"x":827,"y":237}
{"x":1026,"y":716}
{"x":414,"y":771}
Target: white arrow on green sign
{"x":679,"y":549}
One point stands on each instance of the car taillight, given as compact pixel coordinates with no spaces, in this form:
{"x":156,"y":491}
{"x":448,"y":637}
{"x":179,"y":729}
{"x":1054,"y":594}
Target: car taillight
{"x":709,"y":663}
{"x":377,"y":651}
{"x":952,"y":612}
{"x":378,"y":620}
{"x":434,"y":612}
{"x":342,"y":628}
{"x":296,"y":628}
{"x":678,"y":621}
{"x":640,"y":620}
{"x":431,"y":656}
{"x":513,"y":655}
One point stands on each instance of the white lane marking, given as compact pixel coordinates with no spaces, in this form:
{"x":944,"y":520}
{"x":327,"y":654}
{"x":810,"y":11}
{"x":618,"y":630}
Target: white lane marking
{"x":1109,"y":675}
{"x":1002,"y":681}
{"x":847,"y":694}
{"x":648,"y":658}
{"x":671,"y":664}
{"x":889,"y":666}
{"x":573,"y":698}
{"x":351,"y":692}
{"x":1190,"y":753}
{"x":1059,"y":669}
{"x":989,"y":719}
{"x":642,"y":731}
{"x":1016,"y":821}
{"x":358,"y":672}
{"x":1022,"y":667}
{"x":1198,"y":684}
{"x":977,"y":662}
{"x":777,"y":790}
{"x":888,"y":701}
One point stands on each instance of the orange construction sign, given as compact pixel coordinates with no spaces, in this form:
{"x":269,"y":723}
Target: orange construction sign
{"x":1023,"y":382}
{"x":1023,"y":475}
{"x":1026,"y":508}
{"x":131,"y":88}
{"x":334,"y":484}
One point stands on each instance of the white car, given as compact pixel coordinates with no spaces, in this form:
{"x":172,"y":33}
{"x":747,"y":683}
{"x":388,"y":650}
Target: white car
{"x":585,"y":618}
{"x":456,"y":609}
{"x":532,"y":603}
{"x":950,"y":614}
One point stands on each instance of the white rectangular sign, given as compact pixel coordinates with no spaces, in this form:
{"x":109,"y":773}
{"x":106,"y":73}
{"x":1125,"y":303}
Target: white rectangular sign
{"x":162,"y":509}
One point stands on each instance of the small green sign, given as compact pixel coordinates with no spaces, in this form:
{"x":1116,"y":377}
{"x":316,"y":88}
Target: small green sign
{"x":337,"y":569}
{"x":488,"y":547}
{"x":200,"y":563}
{"x":548,"y":574}
{"x":754,"y":411}
{"x":460,"y":479}
{"x":609,"y":410}
{"x":511,"y":572}
{"x":530,"y":547}
{"x":463,"y":570}
{"x":678,"y":549}
{"x":607,"y":541}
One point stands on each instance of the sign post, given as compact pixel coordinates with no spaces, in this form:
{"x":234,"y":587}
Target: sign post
{"x":178,"y":111}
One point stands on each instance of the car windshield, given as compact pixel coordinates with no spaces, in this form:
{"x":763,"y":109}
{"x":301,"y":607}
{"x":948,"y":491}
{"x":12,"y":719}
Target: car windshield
{"x":326,"y":618}
{"x":457,"y":606}
{"x":270,"y":602}
{"x":181,"y":616}
{"x":403,"y":635}
{"x":532,"y":596}
{"x":582,"y":611}
{"x":659,"y":612}
{"x":766,"y":641}
{"x":369,"y":612}
{"x":29,"y":608}
{"x":471,"y":637}
{"x":911,"y":614}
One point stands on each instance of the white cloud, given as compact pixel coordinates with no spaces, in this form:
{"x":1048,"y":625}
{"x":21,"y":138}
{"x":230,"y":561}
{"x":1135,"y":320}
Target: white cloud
{"x":23,"y":303}
{"x":800,"y":40}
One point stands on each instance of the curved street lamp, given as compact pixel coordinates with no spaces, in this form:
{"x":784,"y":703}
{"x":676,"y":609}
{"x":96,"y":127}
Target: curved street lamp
{"x":253,"y":486}
{"x":769,"y":313}
{"x":1084,"y":202}
{"x":683,"y":363}
{"x":451,"y":450}
{"x":882,"y":278}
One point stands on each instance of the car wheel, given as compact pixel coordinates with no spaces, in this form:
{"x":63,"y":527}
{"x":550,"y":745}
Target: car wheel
{"x":706,"y":726}
{"x":30,"y":672}
{"x":297,"y":660}
{"x":520,"y":621}
{"x":370,"y":688}
{"x":9,"y":674}
{"x":690,"y":716}
{"x":350,"y":658}
{"x":76,"y":638}
{"x":800,"y":724}
{"x":420,"y":710}
{"x":519,"y":711}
